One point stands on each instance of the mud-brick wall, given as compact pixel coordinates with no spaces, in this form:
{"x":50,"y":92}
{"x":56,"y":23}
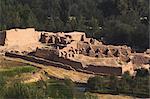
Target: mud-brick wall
{"x":73,"y":64}
{"x":68,"y":64}
{"x":52,"y":56}
{"x":2,"y":37}
{"x":77,"y":36}
{"x":105,"y":70}
{"x":38,"y":60}
{"x":21,"y":37}
{"x":47,"y":54}
{"x":42,"y":53}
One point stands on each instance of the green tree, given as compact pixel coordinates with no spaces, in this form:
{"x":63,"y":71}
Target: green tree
{"x":142,"y":72}
{"x":96,"y":83}
{"x":116,"y":32}
{"x":59,"y":25}
{"x":73,"y":22}
{"x":61,"y":90}
{"x":81,"y":24}
{"x":114,"y":84}
{"x":32,"y":20}
{"x":95,"y":28}
{"x":50,"y":25}
{"x":124,"y":82}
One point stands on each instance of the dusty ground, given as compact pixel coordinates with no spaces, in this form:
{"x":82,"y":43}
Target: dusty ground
{"x":30,"y":77}
{"x":108,"y":96}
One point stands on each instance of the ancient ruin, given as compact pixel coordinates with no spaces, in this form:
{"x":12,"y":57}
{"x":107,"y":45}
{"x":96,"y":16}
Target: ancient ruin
{"x":75,"y":50}
{"x":19,"y":39}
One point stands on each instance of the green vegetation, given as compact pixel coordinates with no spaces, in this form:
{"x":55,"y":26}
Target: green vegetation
{"x":8,"y":84}
{"x":10,"y":68}
{"x":117,"y":21}
{"x":12,"y":87}
{"x":135,"y":86}
{"x":38,"y":90}
{"x":16,"y":71}
{"x":50,"y":89}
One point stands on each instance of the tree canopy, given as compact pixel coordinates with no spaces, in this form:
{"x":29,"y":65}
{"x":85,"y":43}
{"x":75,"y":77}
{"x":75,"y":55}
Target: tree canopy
{"x":117,"y":21}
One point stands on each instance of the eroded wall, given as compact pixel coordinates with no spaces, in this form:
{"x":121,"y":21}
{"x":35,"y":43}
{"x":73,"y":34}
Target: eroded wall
{"x":21,"y":37}
{"x":50,"y":55}
{"x":109,"y":70}
{"x":128,"y":68}
{"x":2,"y":38}
{"x":77,"y":36}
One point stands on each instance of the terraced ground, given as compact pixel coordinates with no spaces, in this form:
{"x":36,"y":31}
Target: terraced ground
{"x":19,"y":70}
{"x":31,"y":77}
{"x":56,"y":72}
{"x":13,"y":70}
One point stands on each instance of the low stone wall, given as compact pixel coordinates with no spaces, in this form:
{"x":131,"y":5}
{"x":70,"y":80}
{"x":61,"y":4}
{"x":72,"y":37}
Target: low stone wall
{"x":105,"y":70}
{"x":73,"y":64}
{"x":70,"y":65}
{"x":52,"y":56}
{"x":38,"y":60}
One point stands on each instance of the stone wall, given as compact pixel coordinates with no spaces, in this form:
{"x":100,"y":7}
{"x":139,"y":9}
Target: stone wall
{"x":70,"y":65}
{"x":140,"y":59}
{"x":73,"y":64}
{"x":77,"y":36}
{"x":128,"y":67}
{"x":2,"y":38}
{"x":52,"y":56}
{"x":38,"y":60}
{"x":109,"y":70}
{"x":21,"y":37}
{"x":20,"y":40}
{"x":46,"y":53}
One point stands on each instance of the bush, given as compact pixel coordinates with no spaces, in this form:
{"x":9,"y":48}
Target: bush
{"x":136,"y":86}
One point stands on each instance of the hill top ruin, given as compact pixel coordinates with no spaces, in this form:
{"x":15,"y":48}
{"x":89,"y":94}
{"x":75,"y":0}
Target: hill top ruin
{"x":73,"y":49}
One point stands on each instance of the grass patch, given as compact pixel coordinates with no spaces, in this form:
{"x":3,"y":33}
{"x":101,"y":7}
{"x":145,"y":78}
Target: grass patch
{"x":17,"y":70}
